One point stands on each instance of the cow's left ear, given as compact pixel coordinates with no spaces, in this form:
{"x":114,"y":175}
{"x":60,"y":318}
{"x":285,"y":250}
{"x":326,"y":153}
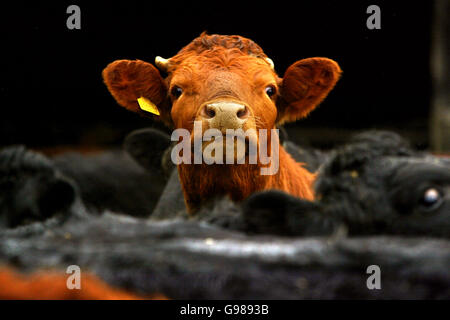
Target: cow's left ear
{"x":138,"y":86}
{"x":304,"y":85}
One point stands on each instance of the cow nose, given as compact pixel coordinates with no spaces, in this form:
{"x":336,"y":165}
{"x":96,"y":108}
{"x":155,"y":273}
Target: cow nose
{"x":225,"y":115}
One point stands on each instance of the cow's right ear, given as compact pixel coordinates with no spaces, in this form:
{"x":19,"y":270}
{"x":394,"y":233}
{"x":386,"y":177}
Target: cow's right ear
{"x":305,"y":84}
{"x":130,"y":80}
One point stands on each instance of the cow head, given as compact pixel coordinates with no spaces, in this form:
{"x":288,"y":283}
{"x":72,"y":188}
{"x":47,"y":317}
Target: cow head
{"x":226,"y":82}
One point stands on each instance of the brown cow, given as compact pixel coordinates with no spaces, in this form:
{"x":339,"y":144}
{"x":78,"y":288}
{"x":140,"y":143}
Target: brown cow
{"x":52,"y":285}
{"x":227,"y":82}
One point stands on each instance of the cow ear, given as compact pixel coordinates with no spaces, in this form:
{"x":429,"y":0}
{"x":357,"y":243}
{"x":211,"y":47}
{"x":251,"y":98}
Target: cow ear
{"x":304,"y":85}
{"x":150,"y":148}
{"x":131,"y":80}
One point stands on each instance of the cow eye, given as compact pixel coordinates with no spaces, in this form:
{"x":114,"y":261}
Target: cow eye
{"x":270,"y":90}
{"x":431,"y":199}
{"x":176,"y":91}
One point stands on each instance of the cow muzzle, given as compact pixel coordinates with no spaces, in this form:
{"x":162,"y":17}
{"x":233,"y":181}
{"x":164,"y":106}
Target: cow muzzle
{"x":223,"y":114}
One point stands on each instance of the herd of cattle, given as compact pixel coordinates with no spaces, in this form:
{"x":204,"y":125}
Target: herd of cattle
{"x":379,"y":202}
{"x":147,"y":229}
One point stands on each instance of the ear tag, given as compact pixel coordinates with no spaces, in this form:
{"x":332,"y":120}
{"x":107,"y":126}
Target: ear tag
{"x":147,"y":105}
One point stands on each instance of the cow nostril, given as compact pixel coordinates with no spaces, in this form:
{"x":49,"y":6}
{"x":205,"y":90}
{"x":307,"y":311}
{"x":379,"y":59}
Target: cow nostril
{"x":242,"y":113}
{"x":225,"y":111}
{"x":209,"y":112}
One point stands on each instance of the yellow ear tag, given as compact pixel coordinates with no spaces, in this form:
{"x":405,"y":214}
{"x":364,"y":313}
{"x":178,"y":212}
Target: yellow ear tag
{"x":147,"y":105}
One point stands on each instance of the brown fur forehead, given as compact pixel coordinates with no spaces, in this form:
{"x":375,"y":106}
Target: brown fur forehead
{"x":194,"y":66}
{"x":219,"y":51}
{"x":209,"y":42}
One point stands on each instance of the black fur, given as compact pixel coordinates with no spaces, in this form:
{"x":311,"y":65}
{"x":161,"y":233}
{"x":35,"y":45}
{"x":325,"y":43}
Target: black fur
{"x":374,"y":185}
{"x":365,"y":188}
{"x":193,"y":260}
{"x":31,"y":189}
{"x":35,"y":188}
{"x":150,"y":148}
{"x":111,"y":180}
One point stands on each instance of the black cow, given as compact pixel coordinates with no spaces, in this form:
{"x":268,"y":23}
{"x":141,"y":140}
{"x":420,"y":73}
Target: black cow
{"x":36,"y":188}
{"x":195,"y":259}
{"x":31,"y":189}
{"x":151,"y":149}
{"x":374,"y":185}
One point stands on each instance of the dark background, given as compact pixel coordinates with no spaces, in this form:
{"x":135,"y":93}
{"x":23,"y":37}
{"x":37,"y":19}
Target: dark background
{"x":51,"y":90}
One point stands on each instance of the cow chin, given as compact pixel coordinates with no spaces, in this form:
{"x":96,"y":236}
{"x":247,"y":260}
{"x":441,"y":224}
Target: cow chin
{"x":225,"y":151}
{"x":225,"y":146}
